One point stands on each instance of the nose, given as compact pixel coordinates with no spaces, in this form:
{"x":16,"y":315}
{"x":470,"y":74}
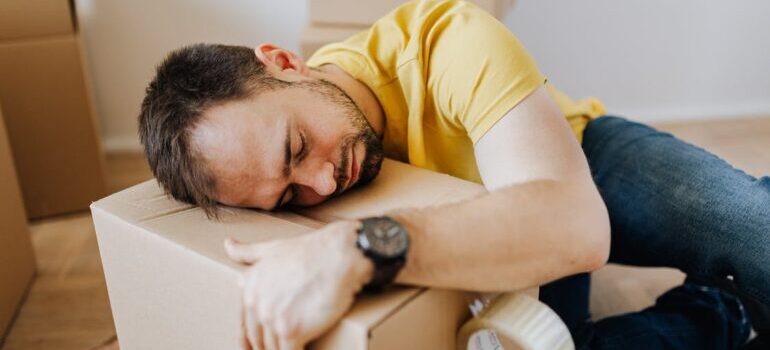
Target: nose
{"x":321,"y":180}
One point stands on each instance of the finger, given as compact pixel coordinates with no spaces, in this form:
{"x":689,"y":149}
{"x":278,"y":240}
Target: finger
{"x":249,"y":320}
{"x":270,"y":338}
{"x":250,"y":328}
{"x":245,"y":344}
{"x":254,"y":332}
{"x":289,"y":344}
{"x":243,"y":253}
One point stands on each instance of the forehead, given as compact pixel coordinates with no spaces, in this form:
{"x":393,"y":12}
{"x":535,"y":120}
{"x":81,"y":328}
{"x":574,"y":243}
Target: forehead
{"x":242,"y":143}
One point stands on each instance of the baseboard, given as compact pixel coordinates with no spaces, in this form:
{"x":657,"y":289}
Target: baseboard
{"x":684,"y":114}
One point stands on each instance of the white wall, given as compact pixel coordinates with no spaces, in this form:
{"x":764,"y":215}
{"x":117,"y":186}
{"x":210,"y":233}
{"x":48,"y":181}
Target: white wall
{"x":654,"y":59}
{"x":647,"y":59}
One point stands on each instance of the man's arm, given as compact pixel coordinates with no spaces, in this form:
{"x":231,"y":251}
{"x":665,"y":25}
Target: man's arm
{"x":543,"y":218}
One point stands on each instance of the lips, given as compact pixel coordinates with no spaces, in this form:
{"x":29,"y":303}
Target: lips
{"x":353,"y":167}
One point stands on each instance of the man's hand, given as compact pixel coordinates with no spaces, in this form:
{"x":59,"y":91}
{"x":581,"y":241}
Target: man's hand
{"x":297,"y":288}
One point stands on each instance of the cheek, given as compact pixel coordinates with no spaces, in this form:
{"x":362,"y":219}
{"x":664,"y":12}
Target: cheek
{"x":326,"y":146}
{"x":334,"y":127}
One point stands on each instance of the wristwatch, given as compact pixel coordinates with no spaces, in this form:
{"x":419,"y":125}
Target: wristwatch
{"x":386,"y":243}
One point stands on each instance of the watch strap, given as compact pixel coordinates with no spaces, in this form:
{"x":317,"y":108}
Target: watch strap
{"x":385,"y":268}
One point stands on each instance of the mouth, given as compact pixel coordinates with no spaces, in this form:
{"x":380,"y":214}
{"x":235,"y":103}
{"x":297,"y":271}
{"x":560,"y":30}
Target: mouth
{"x":354,"y":167}
{"x":354,"y":170}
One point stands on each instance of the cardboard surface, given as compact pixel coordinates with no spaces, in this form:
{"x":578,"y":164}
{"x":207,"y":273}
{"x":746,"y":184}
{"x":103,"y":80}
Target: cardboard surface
{"x":336,"y":20}
{"x":17,"y":263}
{"x":315,"y":36}
{"x":23,"y":19}
{"x":363,"y":13}
{"x":49,"y":117}
{"x":172,"y":286}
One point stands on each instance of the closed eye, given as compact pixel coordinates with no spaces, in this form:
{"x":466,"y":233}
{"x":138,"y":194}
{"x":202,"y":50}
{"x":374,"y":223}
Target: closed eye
{"x":294,"y":189}
{"x":303,"y":148}
{"x":294,"y":194}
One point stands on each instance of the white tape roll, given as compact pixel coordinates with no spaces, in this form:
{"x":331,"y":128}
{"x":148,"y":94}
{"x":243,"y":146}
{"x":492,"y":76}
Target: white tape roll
{"x":515,"y":321}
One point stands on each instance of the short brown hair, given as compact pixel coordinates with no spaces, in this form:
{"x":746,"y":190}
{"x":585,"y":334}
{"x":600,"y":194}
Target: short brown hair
{"x":187,"y":82}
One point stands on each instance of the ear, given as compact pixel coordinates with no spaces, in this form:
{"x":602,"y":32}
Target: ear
{"x":279,"y":60}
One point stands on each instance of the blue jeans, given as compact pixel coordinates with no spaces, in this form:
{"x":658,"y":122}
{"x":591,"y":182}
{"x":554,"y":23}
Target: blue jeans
{"x":673,"y":204}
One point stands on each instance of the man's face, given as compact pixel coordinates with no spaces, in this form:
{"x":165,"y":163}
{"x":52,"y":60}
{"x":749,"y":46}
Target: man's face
{"x":295,"y":146}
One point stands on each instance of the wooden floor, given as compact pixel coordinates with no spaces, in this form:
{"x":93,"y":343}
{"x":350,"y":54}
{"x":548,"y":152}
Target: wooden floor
{"x":68,"y":309}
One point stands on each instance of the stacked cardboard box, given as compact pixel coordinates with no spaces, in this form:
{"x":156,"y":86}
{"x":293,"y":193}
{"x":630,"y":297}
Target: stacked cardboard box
{"x":364,"y":13}
{"x":336,"y":20}
{"x":17,"y":264}
{"x":48,"y":107}
{"x":172,"y":286}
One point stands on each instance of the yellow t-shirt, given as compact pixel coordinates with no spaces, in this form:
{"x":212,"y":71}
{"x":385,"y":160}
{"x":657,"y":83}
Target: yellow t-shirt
{"x":444,"y":73}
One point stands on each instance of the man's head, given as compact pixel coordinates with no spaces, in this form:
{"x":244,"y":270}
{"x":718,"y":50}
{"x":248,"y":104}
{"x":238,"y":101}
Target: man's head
{"x":231,"y":125}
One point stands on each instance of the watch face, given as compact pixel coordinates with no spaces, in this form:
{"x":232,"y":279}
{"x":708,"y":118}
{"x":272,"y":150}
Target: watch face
{"x":386,"y":238}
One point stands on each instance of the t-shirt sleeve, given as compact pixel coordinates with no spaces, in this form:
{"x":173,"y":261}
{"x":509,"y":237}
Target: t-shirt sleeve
{"x":477,"y":69}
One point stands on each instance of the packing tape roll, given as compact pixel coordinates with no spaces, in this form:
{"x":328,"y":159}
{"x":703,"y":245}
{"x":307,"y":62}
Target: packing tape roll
{"x":515,"y":321}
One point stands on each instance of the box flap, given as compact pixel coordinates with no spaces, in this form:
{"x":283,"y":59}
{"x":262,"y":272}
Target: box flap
{"x":21,"y":19}
{"x":416,"y":326}
{"x":146,"y":206}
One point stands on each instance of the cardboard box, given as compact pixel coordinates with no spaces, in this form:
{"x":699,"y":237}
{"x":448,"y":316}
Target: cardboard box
{"x":17,"y":263}
{"x":50,"y":120}
{"x":22,"y":19}
{"x":171,"y":285}
{"x":313,"y":37}
{"x":336,"y":20}
{"x":364,"y":13}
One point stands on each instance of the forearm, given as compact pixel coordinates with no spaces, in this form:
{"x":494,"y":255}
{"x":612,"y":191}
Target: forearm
{"x":517,"y":237}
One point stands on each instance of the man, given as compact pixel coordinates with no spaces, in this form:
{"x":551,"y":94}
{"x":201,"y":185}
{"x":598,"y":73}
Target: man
{"x":444,"y":86}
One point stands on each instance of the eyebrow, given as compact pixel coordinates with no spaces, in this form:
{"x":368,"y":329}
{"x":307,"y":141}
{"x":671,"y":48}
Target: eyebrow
{"x":286,"y":165}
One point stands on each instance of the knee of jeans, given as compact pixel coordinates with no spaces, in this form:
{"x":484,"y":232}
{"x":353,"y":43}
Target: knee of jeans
{"x":731,"y":236}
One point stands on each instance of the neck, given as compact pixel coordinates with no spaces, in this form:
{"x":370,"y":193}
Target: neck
{"x":363,"y":97}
